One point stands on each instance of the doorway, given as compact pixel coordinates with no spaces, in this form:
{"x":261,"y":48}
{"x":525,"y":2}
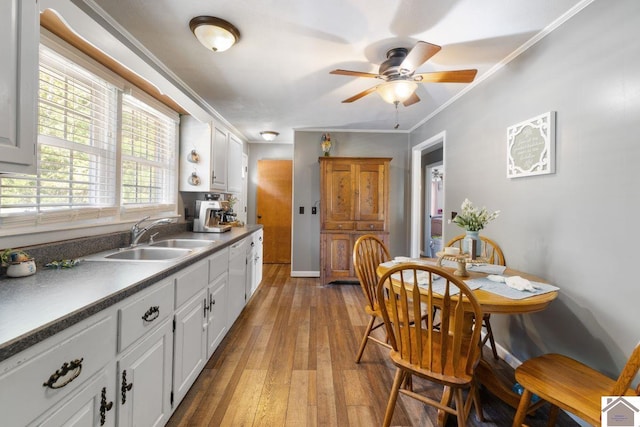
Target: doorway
{"x":421,"y":193}
{"x":273,"y":209}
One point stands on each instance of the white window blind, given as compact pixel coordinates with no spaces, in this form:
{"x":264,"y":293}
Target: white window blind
{"x":149,"y":148}
{"x":76,"y":173}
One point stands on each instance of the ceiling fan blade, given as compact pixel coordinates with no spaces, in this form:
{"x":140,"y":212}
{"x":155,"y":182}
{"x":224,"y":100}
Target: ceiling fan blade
{"x":353,"y":73}
{"x":418,"y":56}
{"x":411,"y":100}
{"x":456,"y":76}
{"x":360,"y":95}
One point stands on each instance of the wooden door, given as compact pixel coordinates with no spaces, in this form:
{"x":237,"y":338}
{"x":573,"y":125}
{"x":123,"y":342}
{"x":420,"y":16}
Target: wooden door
{"x":338,"y":207}
{"x":370,"y":192}
{"x":273,"y":209}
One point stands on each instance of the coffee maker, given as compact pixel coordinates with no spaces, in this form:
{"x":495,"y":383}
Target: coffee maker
{"x":210,"y":216}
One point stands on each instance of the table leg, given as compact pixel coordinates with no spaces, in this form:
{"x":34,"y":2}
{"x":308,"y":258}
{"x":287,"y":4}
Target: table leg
{"x":485,"y":376}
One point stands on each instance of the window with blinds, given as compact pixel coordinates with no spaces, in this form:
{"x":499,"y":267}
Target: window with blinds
{"x":91,"y":166}
{"x":148,"y":155}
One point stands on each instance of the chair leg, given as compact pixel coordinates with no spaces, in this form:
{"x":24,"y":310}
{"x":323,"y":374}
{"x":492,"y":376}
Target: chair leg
{"x":363,"y":344}
{"x":487,"y":324}
{"x":553,"y":415}
{"x":521,"y":413}
{"x":460,"y":407}
{"x":395,"y":389}
{"x":475,"y":397}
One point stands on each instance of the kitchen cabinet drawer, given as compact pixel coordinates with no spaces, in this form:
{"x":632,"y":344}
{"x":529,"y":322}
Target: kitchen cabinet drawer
{"x":190,"y":281}
{"x":339,"y":225}
{"x":370,"y":226}
{"x":218,"y":264}
{"x":23,"y":393}
{"x":144,"y":313}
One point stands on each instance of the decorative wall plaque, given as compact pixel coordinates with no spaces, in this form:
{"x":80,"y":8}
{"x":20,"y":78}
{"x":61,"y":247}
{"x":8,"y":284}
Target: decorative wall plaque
{"x":531,"y":146}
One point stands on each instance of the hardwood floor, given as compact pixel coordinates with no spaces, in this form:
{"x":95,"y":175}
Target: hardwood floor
{"x":289,"y":361}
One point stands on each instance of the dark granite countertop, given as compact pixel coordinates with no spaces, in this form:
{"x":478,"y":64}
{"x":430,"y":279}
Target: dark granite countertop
{"x":36,"y":307}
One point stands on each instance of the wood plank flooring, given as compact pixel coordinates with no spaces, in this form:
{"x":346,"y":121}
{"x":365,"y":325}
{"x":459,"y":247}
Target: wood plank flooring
{"x":289,"y":361}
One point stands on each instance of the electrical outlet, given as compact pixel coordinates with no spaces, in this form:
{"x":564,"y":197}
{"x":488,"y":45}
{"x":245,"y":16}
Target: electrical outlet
{"x":301,"y":211}
{"x":314,"y":210}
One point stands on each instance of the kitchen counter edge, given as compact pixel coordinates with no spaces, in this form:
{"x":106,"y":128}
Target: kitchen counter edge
{"x":14,"y":345}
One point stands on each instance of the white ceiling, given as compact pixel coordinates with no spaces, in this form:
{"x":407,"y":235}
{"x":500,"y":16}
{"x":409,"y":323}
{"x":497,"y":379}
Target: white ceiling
{"x":277,"y":76}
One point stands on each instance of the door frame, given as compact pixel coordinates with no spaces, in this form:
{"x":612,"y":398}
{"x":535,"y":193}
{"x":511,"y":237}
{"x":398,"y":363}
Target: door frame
{"x":417,"y":189}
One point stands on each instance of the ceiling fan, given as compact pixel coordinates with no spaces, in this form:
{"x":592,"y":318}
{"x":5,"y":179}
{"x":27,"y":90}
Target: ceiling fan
{"x":398,"y":74}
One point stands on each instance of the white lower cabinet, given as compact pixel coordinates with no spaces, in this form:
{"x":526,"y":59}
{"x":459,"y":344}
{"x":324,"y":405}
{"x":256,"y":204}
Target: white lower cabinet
{"x":93,"y":405}
{"x":144,"y":380}
{"x":237,"y":295}
{"x":132,"y":363}
{"x":217,"y":289}
{"x":190,"y":348}
{"x":47,"y":376}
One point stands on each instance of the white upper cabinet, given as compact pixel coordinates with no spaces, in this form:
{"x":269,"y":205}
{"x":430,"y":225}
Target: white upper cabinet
{"x":19,"y":36}
{"x":210,"y":157}
{"x":219,"y":155}
{"x":234,"y":172}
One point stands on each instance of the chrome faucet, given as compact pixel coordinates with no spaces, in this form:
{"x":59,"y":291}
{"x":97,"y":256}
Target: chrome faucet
{"x":137,"y":232}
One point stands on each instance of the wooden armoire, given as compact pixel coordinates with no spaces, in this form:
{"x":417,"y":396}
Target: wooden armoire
{"x":354,"y":200}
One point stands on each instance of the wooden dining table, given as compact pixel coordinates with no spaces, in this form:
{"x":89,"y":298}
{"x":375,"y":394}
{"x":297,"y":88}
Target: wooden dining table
{"x":494,"y":303}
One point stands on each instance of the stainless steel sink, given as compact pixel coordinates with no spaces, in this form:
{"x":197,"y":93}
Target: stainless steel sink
{"x":183,"y":243}
{"x":143,"y":254}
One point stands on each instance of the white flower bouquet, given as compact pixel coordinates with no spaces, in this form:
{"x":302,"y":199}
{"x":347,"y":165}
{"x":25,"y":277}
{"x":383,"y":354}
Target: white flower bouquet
{"x":472,"y":218}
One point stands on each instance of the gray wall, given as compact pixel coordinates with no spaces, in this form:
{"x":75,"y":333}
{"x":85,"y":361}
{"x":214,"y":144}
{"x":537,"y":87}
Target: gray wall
{"x":306,"y":189}
{"x":575,"y":227}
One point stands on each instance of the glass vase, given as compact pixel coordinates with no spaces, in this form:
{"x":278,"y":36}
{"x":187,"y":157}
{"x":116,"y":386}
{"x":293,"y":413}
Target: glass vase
{"x":474,"y":235}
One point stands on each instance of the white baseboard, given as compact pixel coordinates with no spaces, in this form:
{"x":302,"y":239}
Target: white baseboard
{"x":305,"y":274}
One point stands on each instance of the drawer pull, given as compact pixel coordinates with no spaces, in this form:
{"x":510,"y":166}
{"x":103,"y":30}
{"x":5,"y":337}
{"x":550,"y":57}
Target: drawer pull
{"x":104,"y":406}
{"x":125,"y":387}
{"x":74,"y":365}
{"x":151,"y":314}
{"x":371,"y":226}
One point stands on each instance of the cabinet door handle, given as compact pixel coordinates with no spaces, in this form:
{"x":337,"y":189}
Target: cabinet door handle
{"x":212,"y":301}
{"x":104,"y":406}
{"x":152,"y":314}
{"x":124,"y":388}
{"x":206,"y":307}
{"x":74,"y":365}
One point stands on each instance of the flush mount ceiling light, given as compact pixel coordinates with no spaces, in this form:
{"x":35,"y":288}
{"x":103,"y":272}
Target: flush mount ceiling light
{"x":214,"y":33}
{"x":396,"y":91}
{"x":269,"y":135}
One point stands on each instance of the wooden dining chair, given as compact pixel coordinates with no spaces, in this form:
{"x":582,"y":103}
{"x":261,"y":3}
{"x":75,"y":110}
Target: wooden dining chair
{"x":446,"y":355}
{"x":571,"y":385}
{"x":491,"y":251}
{"x":369,"y":252}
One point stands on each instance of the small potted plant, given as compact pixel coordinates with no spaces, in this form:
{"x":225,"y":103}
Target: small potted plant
{"x":18,"y":263}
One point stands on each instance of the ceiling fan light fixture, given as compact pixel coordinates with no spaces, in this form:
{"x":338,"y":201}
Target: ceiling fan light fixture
{"x":396,"y":91}
{"x":269,"y":135}
{"x":215,"y":34}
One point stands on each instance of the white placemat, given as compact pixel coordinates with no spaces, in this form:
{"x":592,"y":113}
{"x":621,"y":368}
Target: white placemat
{"x":500,"y":288}
{"x":438,"y":284}
{"x":479,"y":268}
